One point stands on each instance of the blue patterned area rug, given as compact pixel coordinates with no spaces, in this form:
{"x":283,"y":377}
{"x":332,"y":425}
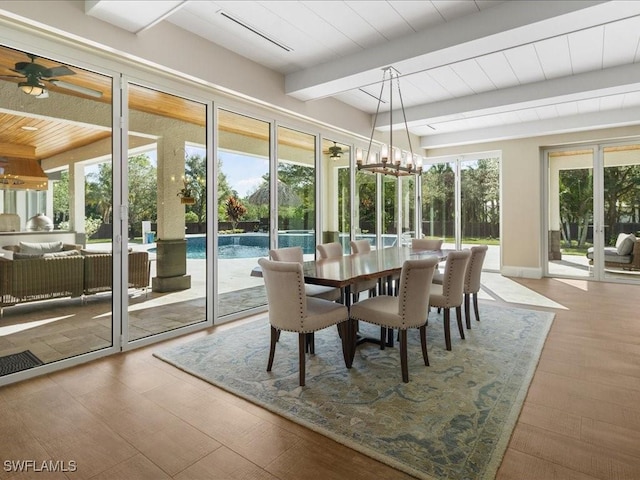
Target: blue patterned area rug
{"x":453,"y":420}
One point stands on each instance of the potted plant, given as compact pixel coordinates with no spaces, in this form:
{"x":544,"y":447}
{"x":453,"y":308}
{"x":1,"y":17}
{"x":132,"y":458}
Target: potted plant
{"x":185,"y":194}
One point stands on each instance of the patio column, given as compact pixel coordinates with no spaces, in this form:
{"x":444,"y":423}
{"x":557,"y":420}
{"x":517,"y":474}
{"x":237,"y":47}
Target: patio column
{"x":171,"y":266}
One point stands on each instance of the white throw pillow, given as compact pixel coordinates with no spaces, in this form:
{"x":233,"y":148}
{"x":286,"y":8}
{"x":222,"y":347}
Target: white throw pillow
{"x":43,"y":247}
{"x":625,"y":247}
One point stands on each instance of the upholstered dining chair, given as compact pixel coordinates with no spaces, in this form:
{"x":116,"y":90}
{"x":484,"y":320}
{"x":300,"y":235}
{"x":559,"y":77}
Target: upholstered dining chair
{"x":407,"y":310}
{"x":360,"y":246}
{"x":334,"y":250}
{"x":294,"y":254}
{"x":426,"y":243}
{"x":290,"y":310}
{"x":472,"y":281}
{"x":449,"y":293}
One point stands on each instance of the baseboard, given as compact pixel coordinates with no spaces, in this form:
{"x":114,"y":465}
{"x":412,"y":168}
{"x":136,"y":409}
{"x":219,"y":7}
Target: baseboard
{"x":522,"y":272}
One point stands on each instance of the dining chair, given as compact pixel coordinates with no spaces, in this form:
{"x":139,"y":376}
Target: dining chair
{"x":472,"y":281}
{"x":407,"y":310}
{"x":294,"y":254}
{"x":334,"y":250}
{"x":290,"y":310}
{"x":426,"y":243}
{"x":449,"y":293}
{"x":360,"y":246}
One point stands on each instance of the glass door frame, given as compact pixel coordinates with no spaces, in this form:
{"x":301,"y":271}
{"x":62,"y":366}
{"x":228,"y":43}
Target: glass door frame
{"x":120,"y":211}
{"x":598,"y":165}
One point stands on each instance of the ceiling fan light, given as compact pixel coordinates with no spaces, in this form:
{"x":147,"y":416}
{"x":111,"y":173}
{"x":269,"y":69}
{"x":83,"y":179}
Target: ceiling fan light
{"x":32,"y":88}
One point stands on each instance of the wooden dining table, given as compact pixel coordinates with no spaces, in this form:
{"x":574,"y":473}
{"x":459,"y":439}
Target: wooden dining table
{"x":343,"y":272}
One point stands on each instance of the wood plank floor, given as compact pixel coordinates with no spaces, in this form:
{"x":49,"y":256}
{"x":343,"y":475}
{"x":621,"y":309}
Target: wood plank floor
{"x":131,"y":416}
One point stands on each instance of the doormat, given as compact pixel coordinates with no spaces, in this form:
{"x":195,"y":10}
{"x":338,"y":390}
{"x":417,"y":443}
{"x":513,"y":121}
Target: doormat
{"x":17,"y":362}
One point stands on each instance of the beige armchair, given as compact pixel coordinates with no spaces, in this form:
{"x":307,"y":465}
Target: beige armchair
{"x":449,"y":294}
{"x":290,"y":310}
{"x":294,"y":254}
{"x":408,"y":310}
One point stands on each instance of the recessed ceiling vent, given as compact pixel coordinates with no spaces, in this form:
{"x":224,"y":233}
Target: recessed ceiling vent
{"x":254,"y":30}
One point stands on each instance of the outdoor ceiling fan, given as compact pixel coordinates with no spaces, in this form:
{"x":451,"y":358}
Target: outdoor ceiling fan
{"x":335,"y":152}
{"x":38,"y":77}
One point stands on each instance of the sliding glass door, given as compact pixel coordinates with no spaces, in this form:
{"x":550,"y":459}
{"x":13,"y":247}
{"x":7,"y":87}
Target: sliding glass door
{"x":296,"y":190}
{"x":165,"y":262}
{"x":593,"y":206}
{"x":244,"y":215}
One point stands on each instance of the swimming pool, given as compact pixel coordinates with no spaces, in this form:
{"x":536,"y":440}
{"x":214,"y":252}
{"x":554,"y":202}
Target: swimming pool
{"x":253,"y":245}
{"x":248,"y":245}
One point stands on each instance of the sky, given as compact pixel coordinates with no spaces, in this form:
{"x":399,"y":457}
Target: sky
{"x":244,"y":173}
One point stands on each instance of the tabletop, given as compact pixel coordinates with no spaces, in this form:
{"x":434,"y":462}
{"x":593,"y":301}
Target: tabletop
{"x":344,"y":271}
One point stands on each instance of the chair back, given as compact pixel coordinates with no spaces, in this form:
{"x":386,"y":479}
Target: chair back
{"x":360,"y":246}
{"x":330,"y":250}
{"x":415,"y":283}
{"x":287,"y":254}
{"x":474,"y":269}
{"x":453,"y":278}
{"x":284,"y":282}
{"x":426,"y":243}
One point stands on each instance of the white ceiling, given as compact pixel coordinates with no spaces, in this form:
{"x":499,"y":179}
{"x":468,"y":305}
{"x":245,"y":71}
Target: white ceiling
{"x":471,"y":71}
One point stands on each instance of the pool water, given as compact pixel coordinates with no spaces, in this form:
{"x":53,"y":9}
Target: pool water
{"x":254,"y":245}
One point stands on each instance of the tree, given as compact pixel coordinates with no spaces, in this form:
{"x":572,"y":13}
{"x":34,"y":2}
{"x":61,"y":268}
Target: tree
{"x":61,"y":198}
{"x":576,"y":201}
{"x":143,"y":190}
{"x":235,"y":211}
{"x":195,"y":175}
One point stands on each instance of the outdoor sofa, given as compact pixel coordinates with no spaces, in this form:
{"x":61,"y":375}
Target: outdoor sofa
{"x":43,"y":271}
{"x":625,"y":255}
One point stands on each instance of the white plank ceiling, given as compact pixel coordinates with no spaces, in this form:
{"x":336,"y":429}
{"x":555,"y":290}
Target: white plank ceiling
{"x":470,"y":70}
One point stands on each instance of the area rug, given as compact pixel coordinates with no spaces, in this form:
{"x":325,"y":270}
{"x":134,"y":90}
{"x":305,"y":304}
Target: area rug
{"x":453,"y":420}
{"x":17,"y":362}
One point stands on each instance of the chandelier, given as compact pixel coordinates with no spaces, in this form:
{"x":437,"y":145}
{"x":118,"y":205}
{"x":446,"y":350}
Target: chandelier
{"x":391,"y":160}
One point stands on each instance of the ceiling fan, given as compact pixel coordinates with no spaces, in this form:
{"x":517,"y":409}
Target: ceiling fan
{"x":335,"y":152}
{"x":37,"y":78}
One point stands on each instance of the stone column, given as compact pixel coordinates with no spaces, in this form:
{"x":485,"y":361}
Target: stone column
{"x":171,"y":266}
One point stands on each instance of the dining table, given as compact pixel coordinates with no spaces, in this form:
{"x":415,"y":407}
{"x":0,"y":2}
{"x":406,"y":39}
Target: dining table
{"x":380,"y":264}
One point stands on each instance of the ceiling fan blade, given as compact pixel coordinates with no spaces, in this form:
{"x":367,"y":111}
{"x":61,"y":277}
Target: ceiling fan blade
{"x":76,"y":88}
{"x":60,"y":71}
{"x":12,"y":76}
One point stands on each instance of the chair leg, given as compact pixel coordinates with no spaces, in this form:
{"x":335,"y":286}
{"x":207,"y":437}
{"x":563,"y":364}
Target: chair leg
{"x":459,"y":319}
{"x":275,"y":334}
{"x":344,"y":336}
{"x":475,"y":306}
{"x":302,"y":341}
{"x":383,"y":337}
{"x":423,"y":342}
{"x":403,"y":356}
{"x":447,"y":329}
{"x":310,"y":344}
{"x":467,"y":313}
